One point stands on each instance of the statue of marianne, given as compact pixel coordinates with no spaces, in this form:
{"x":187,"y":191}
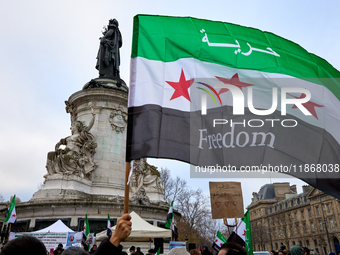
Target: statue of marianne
{"x":108,"y":59}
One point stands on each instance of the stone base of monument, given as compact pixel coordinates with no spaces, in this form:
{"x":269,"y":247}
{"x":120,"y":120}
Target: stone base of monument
{"x":117,"y":84}
{"x":35,"y":215}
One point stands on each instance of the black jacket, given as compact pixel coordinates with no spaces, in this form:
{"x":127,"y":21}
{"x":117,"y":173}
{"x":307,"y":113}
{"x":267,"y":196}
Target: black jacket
{"x":106,"y":247}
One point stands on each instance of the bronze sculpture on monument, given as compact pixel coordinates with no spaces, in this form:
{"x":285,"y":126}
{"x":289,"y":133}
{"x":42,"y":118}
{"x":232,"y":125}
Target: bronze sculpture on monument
{"x":108,"y":59}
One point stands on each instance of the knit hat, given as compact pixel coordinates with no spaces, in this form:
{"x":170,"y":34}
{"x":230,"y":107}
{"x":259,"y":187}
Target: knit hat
{"x":296,"y":250}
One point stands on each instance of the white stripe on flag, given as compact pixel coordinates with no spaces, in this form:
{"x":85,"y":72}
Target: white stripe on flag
{"x":155,"y":90}
{"x":240,"y":230}
{"x":130,"y":174}
{"x":218,"y":242}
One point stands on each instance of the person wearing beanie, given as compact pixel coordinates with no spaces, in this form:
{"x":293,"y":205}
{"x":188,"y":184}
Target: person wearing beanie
{"x":205,"y":250}
{"x":296,"y":250}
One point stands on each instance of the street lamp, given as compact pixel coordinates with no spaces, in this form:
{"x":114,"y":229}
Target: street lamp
{"x":324,"y":221}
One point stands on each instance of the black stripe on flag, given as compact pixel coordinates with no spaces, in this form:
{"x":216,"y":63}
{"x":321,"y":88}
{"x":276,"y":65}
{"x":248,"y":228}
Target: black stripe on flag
{"x":158,"y":132}
{"x":235,"y":238}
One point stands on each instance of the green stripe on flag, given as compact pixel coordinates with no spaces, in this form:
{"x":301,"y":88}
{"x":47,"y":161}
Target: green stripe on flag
{"x":87,"y":226}
{"x":169,"y":216}
{"x":221,"y":237}
{"x":248,"y":241}
{"x":168,"y":39}
{"x":10,"y":209}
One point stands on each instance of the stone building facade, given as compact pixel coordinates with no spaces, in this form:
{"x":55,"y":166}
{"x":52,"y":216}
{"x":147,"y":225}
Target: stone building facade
{"x":280,"y":216}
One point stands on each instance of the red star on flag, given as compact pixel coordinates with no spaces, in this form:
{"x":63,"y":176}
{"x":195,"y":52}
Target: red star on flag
{"x":233,"y":81}
{"x":13,"y":215}
{"x":310,"y":106}
{"x":244,"y":234}
{"x":216,"y":241}
{"x":181,"y":87}
{"x":221,"y":244}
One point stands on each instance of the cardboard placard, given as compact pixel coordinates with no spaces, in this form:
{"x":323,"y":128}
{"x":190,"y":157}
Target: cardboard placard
{"x":226,"y":200}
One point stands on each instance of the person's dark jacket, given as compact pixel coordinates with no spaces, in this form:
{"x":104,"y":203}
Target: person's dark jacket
{"x":106,"y":247}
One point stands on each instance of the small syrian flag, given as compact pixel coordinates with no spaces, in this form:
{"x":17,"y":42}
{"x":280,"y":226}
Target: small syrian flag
{"x":109,"y":231}
{"x":86,"y":230}
{"x":170,"y":223}
{"x":159,"y":249}
{"x":11,"y":215}
{"x":242,"y":234}
{"x":219,"y":240}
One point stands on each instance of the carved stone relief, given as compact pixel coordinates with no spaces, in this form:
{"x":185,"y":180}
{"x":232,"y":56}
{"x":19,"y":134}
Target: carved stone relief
{"x":118,"y":120}
{"x":140,"y":197}
{"x":73,"y":155}
{"x":145,"y":178}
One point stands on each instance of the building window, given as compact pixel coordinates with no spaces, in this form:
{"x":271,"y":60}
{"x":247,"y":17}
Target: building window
{"x":300,"y":243}
{"x":310,"y":213}
{"x":308,"y":244}
{"x":329,"y":208}
{"x":293,"y":243}
{"x":332,"y":223}
{"x":291,"y":203}
{"x":292,"y":230}
{"x":317,"y":210}
{"x":277,"y":246}
{"x":305,"y":228}
{"x":296,"y":217}
{"x":321,"y":225}
{"x":316,"y":246}
{"x":312,"y":226}
{"x":302,"y":214}
{"x":298,"y":229}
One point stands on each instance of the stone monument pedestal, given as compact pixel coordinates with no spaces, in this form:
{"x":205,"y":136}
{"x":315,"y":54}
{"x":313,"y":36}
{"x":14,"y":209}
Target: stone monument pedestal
{"x":69,"y":193}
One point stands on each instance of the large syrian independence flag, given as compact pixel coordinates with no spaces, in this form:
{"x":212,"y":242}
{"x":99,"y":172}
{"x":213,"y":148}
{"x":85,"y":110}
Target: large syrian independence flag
{"x":242,"y":234}
{"x":219,"y":94}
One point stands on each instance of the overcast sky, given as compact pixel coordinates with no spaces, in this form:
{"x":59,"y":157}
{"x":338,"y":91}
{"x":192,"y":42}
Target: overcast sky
{"x":48,"y":52}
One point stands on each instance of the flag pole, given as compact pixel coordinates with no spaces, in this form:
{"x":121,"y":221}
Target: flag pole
{"x":126,"y":194}
{"x":9,"y":231}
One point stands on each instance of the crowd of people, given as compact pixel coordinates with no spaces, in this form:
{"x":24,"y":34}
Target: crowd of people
{"x":295,"y":250}
{"x":28,"y":245}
